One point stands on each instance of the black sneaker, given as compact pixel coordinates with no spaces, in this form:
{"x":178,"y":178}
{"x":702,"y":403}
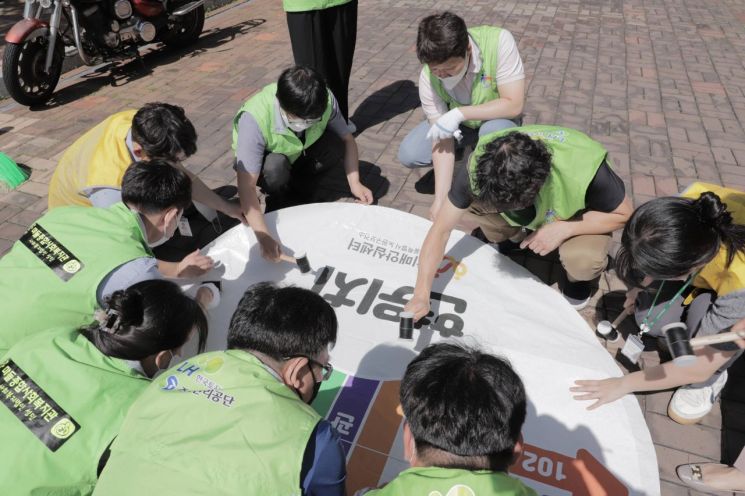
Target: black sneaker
{"x":577,"y":293}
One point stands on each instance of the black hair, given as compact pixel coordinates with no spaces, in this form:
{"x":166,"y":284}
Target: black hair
{"x":511,"y":171}
{"x":668,"y":237}
{"x":282,"y":321}
{"x":146,"y":318}
{"x":164,"y":131}
{"x":441,"y":37}
{"x":155,"y":185}
{"x":465,"y":408}
{"x":302,"y":92}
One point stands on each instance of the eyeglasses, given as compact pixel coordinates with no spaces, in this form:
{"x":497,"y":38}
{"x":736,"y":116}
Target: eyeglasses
{"x":307,"y":122}
{"x":328,"y":369}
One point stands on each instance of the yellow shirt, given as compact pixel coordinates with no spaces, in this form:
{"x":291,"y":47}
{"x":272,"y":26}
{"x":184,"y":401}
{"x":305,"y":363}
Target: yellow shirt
{"x":99,"y":158}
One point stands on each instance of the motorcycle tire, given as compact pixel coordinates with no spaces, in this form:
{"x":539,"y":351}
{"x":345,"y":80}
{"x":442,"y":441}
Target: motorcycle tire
{"x":187,"y":30}
{"x":23,"y":70}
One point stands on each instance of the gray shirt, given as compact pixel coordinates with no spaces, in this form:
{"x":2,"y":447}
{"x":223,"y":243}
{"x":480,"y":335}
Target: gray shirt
{"x":250,"y":148}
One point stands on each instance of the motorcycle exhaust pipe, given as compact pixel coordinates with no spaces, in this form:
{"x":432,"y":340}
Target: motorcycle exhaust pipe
{"x":78,"y":44}
{"x":188,"y":8}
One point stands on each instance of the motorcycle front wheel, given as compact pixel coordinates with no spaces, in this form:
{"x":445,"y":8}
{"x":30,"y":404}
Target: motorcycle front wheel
{"x":23,"y":70}
{"x":186,"y":30}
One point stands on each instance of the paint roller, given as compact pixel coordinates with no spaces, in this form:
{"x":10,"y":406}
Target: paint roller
{"x":681,"y":345}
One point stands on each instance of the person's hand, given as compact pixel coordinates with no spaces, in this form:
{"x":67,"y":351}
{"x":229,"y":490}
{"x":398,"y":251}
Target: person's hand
{"x":419,"y":306}
{"x":435,"y":208}
{"x":362,"y":193}
{"x":604,"y":391}
{"x":547,"y":238}
{"x":194,"y":265}
{"x":631,"y":296}
{"x":446,"y":125}
{"x":232,"y":209}
{"x":270,"y":248}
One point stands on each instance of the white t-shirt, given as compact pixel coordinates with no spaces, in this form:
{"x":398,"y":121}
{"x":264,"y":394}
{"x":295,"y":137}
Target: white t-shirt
{"x":509,"y":69}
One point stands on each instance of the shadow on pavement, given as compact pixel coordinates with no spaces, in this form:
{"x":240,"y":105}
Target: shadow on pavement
{"x":119,"y":74}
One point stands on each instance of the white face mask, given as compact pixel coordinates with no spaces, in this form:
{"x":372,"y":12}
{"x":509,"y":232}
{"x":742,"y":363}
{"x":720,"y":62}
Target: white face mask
{"x":165,"y":237}
{"x":297,"y":126}
{"x":452,"y":81}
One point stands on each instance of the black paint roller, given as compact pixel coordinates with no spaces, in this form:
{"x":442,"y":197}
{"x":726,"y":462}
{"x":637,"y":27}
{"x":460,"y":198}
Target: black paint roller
{"x":681,"y":346}
{"x":406,"y":325}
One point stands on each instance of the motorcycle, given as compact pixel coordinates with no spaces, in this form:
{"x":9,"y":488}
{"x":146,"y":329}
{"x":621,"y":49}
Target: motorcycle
{"x":100,"y":30}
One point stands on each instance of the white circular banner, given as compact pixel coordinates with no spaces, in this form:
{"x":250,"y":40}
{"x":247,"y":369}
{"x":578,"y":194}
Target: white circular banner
{"x":364,"y":263}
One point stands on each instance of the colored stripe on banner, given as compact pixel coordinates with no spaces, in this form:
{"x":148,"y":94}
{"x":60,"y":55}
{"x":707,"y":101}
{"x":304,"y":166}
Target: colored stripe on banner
{"x":329,"y":392}
{"x":348,"y":411}
{"x":378,"y":434}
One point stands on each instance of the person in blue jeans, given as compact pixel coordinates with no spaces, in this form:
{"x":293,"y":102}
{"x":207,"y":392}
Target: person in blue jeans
{"x":472,"y":84}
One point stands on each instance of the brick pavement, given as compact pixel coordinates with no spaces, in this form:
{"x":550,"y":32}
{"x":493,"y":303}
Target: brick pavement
{"x":659,"y":82}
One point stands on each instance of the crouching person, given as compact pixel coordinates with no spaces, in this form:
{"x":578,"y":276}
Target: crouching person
{"x":76,"y":385}
{"x":464,"y":411}
{"x":238,"y":422}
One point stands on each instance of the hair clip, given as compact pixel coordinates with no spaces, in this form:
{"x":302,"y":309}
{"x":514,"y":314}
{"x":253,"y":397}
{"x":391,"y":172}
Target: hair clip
{"x":111,"y":323}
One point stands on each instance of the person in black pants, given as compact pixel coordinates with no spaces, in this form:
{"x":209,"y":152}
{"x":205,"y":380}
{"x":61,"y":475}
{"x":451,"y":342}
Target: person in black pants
{"x":323,"y":34}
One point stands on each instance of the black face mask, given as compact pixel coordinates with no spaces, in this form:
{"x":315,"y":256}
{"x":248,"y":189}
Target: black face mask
{"x":316,"y":388}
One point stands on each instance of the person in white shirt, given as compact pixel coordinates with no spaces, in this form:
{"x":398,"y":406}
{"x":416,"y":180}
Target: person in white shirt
{"x":472,"y":84}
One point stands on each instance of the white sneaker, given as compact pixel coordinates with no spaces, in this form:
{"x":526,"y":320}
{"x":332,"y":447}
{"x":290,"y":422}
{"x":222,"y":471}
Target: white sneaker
{"x":690,"y":404}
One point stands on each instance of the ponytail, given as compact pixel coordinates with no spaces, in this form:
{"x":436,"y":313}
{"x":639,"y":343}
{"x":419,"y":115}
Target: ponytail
{"x":148,"y":317}
{"x":714,"y":214}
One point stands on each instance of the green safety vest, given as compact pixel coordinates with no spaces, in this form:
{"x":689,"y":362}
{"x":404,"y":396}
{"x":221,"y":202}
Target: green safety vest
{"x":575,"y":159}
{"x":61,"y":404}
{"x":50,"y":276}
{"x":218,"y":423}
{"x":306,"y":5}
{"x":484,"y":88}
{"x":435,"y":481}
{"x":277,"y":137}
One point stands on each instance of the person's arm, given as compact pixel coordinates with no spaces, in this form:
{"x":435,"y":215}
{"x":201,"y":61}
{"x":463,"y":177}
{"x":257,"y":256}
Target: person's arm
{"x":104,"y":197}
{"x":201,"y":193}
{"x":430,"y":257}
{"x":508,"y":106}
{"x":324,"y":472}
{"x":270,"y":248}
{"x":665,"y":376}
{"x":192,"y":265}
{"x":352,"y":170}
{"x":127,"y":274}
{"x":443,"y":162}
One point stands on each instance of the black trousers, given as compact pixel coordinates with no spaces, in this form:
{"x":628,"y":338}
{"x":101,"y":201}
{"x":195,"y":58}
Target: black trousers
{"x":324,"y":40}
{"x":291,"y":184}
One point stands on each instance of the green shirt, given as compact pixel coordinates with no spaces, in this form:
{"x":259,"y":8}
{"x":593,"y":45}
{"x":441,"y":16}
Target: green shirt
{"x":50,"y":276}
{"x":219,"y":423}
{"x":435,"y":481}
{"x":73,"y":400}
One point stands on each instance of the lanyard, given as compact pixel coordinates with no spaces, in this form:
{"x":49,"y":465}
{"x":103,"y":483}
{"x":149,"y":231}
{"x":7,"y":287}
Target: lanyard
{"x":646,"y":326}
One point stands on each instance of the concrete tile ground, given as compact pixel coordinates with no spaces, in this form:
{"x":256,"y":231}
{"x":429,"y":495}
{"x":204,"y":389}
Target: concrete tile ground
{"x":660,"y":82}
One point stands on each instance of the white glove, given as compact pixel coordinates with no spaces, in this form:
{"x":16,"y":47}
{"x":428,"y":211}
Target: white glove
{"x":446,"y":125}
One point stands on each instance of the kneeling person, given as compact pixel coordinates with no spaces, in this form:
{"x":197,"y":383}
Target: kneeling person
{"x":551,"y":182}
{"x":464,"y":412}
{"x":283,"y":137}
{"x":238,"y":422}
{"x":79,"y":383}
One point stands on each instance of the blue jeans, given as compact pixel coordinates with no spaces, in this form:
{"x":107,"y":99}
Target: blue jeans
{"x":416,"y":150}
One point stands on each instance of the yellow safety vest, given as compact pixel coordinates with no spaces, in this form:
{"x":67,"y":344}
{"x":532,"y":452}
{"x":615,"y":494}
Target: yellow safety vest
{"x":99,"y":158}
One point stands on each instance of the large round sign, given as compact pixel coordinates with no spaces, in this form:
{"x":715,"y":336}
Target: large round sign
{"x":364,"y":263}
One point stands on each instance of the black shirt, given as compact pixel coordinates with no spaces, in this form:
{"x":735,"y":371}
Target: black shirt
{"x":604,"y":194}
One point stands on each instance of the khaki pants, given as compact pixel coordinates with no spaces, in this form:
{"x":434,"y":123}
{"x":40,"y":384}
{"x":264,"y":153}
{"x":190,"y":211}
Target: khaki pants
{"x":583,"y":257}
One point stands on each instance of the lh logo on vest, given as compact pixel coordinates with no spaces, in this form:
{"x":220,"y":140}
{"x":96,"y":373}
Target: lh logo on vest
{"x":456,"y":490}
{"x":63,"y":429}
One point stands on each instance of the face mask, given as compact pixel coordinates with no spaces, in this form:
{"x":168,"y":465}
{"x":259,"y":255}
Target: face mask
{"x":165,"y":237}
{"x":297,"y":126}
{"x":452,"y":81}
{"x":316,"y":388}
